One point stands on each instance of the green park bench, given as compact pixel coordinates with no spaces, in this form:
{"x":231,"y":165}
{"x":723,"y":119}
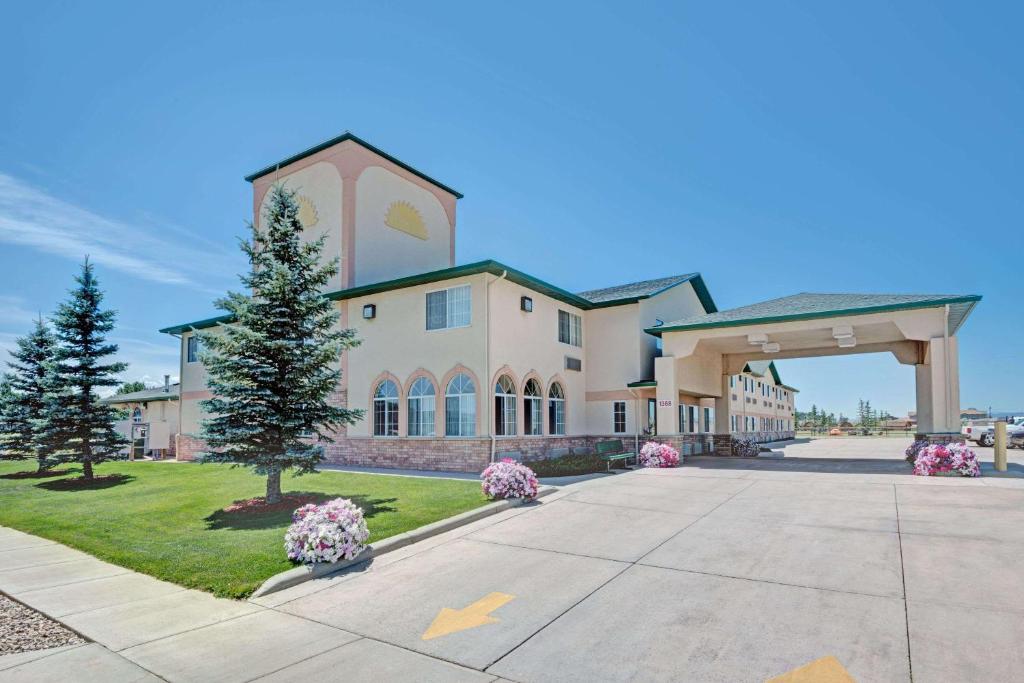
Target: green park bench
{"x":611,"y":451}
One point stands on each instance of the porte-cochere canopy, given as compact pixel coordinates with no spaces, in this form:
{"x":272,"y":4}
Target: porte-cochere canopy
{"x":701,"y":352}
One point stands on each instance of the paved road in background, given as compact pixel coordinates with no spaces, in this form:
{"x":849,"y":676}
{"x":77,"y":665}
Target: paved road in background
{"x":722,"y":570}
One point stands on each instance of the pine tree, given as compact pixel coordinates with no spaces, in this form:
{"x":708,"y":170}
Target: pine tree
{"x":6,"y":414}
{"x":273,"y":368}
{"x":80,"y":428}
{"x":26,"y":413}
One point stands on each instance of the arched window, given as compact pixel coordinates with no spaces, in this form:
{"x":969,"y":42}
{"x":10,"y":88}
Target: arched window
{"x":385,"y":409}
{"x":533,"y":420}
{"x":556,"y":409}
{"x":460,"y":407}
{"x":136,"y":415}
{"x":505,"y":407}
{"x":421,"y":408}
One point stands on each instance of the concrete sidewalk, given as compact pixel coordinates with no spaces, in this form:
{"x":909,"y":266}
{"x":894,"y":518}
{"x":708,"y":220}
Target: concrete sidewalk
{"x":724,"y":569}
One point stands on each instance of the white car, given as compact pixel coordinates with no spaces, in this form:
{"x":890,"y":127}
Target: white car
{"x":984,"y":433}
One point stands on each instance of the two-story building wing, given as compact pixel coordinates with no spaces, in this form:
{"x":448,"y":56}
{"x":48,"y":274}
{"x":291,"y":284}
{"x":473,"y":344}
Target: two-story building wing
{"x":460,"y":363}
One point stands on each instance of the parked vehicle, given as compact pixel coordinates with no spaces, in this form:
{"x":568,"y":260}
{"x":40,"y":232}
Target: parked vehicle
{"x":983,"y":432}
{"x":1016,"y":441}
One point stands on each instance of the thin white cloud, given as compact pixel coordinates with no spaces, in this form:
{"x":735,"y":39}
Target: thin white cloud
{"x":33,"y":218}
{"x":14,"y":311}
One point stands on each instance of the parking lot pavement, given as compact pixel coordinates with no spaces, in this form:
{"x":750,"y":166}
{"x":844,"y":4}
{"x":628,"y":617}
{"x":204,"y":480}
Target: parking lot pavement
{"x":720,"y":570}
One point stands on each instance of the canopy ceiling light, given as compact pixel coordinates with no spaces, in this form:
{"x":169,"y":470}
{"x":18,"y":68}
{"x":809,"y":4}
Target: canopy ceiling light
{"x":757,"y":339}
{"x":842,"y":331}
{"x":771,"y":347}
{"x":847,"y":342}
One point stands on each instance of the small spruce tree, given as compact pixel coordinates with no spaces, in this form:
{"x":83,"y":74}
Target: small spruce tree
{"x":272,"y":369}
{"x":79,"y":428}
{"x":26,"y":414}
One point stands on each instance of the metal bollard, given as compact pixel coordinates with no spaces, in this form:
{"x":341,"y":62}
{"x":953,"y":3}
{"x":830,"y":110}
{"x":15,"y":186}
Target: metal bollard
{"x":1000,"y":446}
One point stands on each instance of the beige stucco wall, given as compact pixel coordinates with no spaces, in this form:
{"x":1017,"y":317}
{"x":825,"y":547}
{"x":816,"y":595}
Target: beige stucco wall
{"x":318,"y":187}
{"x":381,"y":251}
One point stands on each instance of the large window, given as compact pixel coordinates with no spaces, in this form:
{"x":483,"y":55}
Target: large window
{"x":460,"y":407}
{"x":691,"y":418}
{"x":570,"y":328}
{"x":421,"y":408}
{"x":533,"y":420}
{"x":193,"y":349}
{"x":619,"y":417}
{"x":505,"y":407}
{"x":449,"y":308}
{"x":556,"y":409}
{"x":385,"y":409}
{"x":709,"y":419}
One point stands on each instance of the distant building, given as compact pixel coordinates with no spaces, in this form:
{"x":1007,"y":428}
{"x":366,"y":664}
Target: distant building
{"x":152,"y":418}
{"x":973,"y":414}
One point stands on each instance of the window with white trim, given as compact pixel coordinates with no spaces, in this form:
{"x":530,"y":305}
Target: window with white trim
{"x":533,"y":413}
{"x":556,"y":409}
{"x":421,"y":408}
{"x":460,"y":407}
{"x":618,"y":417}
{"x":447,"y":308}
{"x":570,"y":328}
{"x":385,"y":409}
{"x":505,"y":407}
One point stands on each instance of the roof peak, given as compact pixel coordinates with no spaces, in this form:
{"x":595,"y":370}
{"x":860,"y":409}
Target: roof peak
{"x":338,"y":139}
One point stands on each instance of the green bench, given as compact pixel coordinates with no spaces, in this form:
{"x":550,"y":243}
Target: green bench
{"x":613,"y":450}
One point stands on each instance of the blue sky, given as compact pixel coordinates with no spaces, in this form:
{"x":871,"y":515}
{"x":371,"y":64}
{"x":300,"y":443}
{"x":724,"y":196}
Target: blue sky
{"x":775,"y":147}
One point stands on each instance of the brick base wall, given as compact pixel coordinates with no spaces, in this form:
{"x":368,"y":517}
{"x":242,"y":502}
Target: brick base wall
{"x":186,"y":447}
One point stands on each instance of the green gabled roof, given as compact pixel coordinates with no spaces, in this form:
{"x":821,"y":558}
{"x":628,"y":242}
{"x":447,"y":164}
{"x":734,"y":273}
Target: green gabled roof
{"x":489,"y":266}
{"x":645,"y":289}
{"x":762,"y":367}
{"x":808,"y":306}
{"x":359,"y":141}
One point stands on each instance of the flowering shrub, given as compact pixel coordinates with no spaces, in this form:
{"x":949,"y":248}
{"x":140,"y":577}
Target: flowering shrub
{"x":947,"y":459}
{"x":915,"y":448}
{"x":654,"y":454}
{"x":330,"y":532}
{"x":745,"y":448}
{"x":509,"y":479}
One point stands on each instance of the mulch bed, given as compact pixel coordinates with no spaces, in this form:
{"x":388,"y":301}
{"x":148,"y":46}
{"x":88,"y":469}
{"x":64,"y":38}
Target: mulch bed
{"x":258,"y":506}
{"x":23,"y":629}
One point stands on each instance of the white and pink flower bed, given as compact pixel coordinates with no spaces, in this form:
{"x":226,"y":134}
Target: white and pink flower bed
{"x":333,"y":531}
{"x":509,"y":479}
{"x":655,"y":454}
{"x":949,"y":459}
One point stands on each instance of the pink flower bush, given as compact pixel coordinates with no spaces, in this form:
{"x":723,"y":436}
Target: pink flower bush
{"x":330,"y":532}
{"x":947,"y":460}
{"x":915,"y":448}
{"x":654,"y":454}
{"x":509,"y":479}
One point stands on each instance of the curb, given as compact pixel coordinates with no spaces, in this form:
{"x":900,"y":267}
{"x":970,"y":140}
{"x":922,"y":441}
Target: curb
{"x":301,"y":574}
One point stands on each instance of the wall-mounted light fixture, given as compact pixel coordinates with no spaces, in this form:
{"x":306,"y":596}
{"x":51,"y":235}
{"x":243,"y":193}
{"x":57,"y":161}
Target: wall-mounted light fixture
{"x":526,"y":304}
{"x":757,"y":339}
{"x":369,"y":311}
{"x":846,"y":342}
{"x":771,"y":347}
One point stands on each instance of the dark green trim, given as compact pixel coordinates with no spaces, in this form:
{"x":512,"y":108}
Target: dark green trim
{"x":642,"y":383}
{"x":932,"y":303}
{"x":118,"y":399}
{"x":197,"y":325}
{"x":359,"y":141}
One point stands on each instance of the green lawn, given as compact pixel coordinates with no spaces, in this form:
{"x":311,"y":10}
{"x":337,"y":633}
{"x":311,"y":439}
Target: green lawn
{"x":168,"y":519}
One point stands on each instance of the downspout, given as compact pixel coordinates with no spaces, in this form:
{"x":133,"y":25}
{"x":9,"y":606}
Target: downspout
{"x":636,"y":421}
{"x":948,"y":385}
{"x":487,"y":361}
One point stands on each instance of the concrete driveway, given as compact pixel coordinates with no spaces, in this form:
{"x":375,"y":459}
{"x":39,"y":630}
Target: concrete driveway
{"x":722,"y":570}
{"x":876,"y":448}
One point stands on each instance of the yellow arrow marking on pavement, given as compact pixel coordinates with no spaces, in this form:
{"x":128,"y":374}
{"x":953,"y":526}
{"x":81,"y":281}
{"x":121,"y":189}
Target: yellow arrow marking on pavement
{"x":824,"y":670}
{"x":478,"y":614}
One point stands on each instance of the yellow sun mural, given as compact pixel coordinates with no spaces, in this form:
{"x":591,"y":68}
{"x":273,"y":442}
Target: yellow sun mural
{"x":404,"y":216}
{"x":307,"y":212}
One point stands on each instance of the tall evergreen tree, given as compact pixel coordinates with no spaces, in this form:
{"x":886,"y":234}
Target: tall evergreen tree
{"x":273,"y":368}
{"x":80,"y":428}
{"x":6,"y":407}
{"x":26,"y":414}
